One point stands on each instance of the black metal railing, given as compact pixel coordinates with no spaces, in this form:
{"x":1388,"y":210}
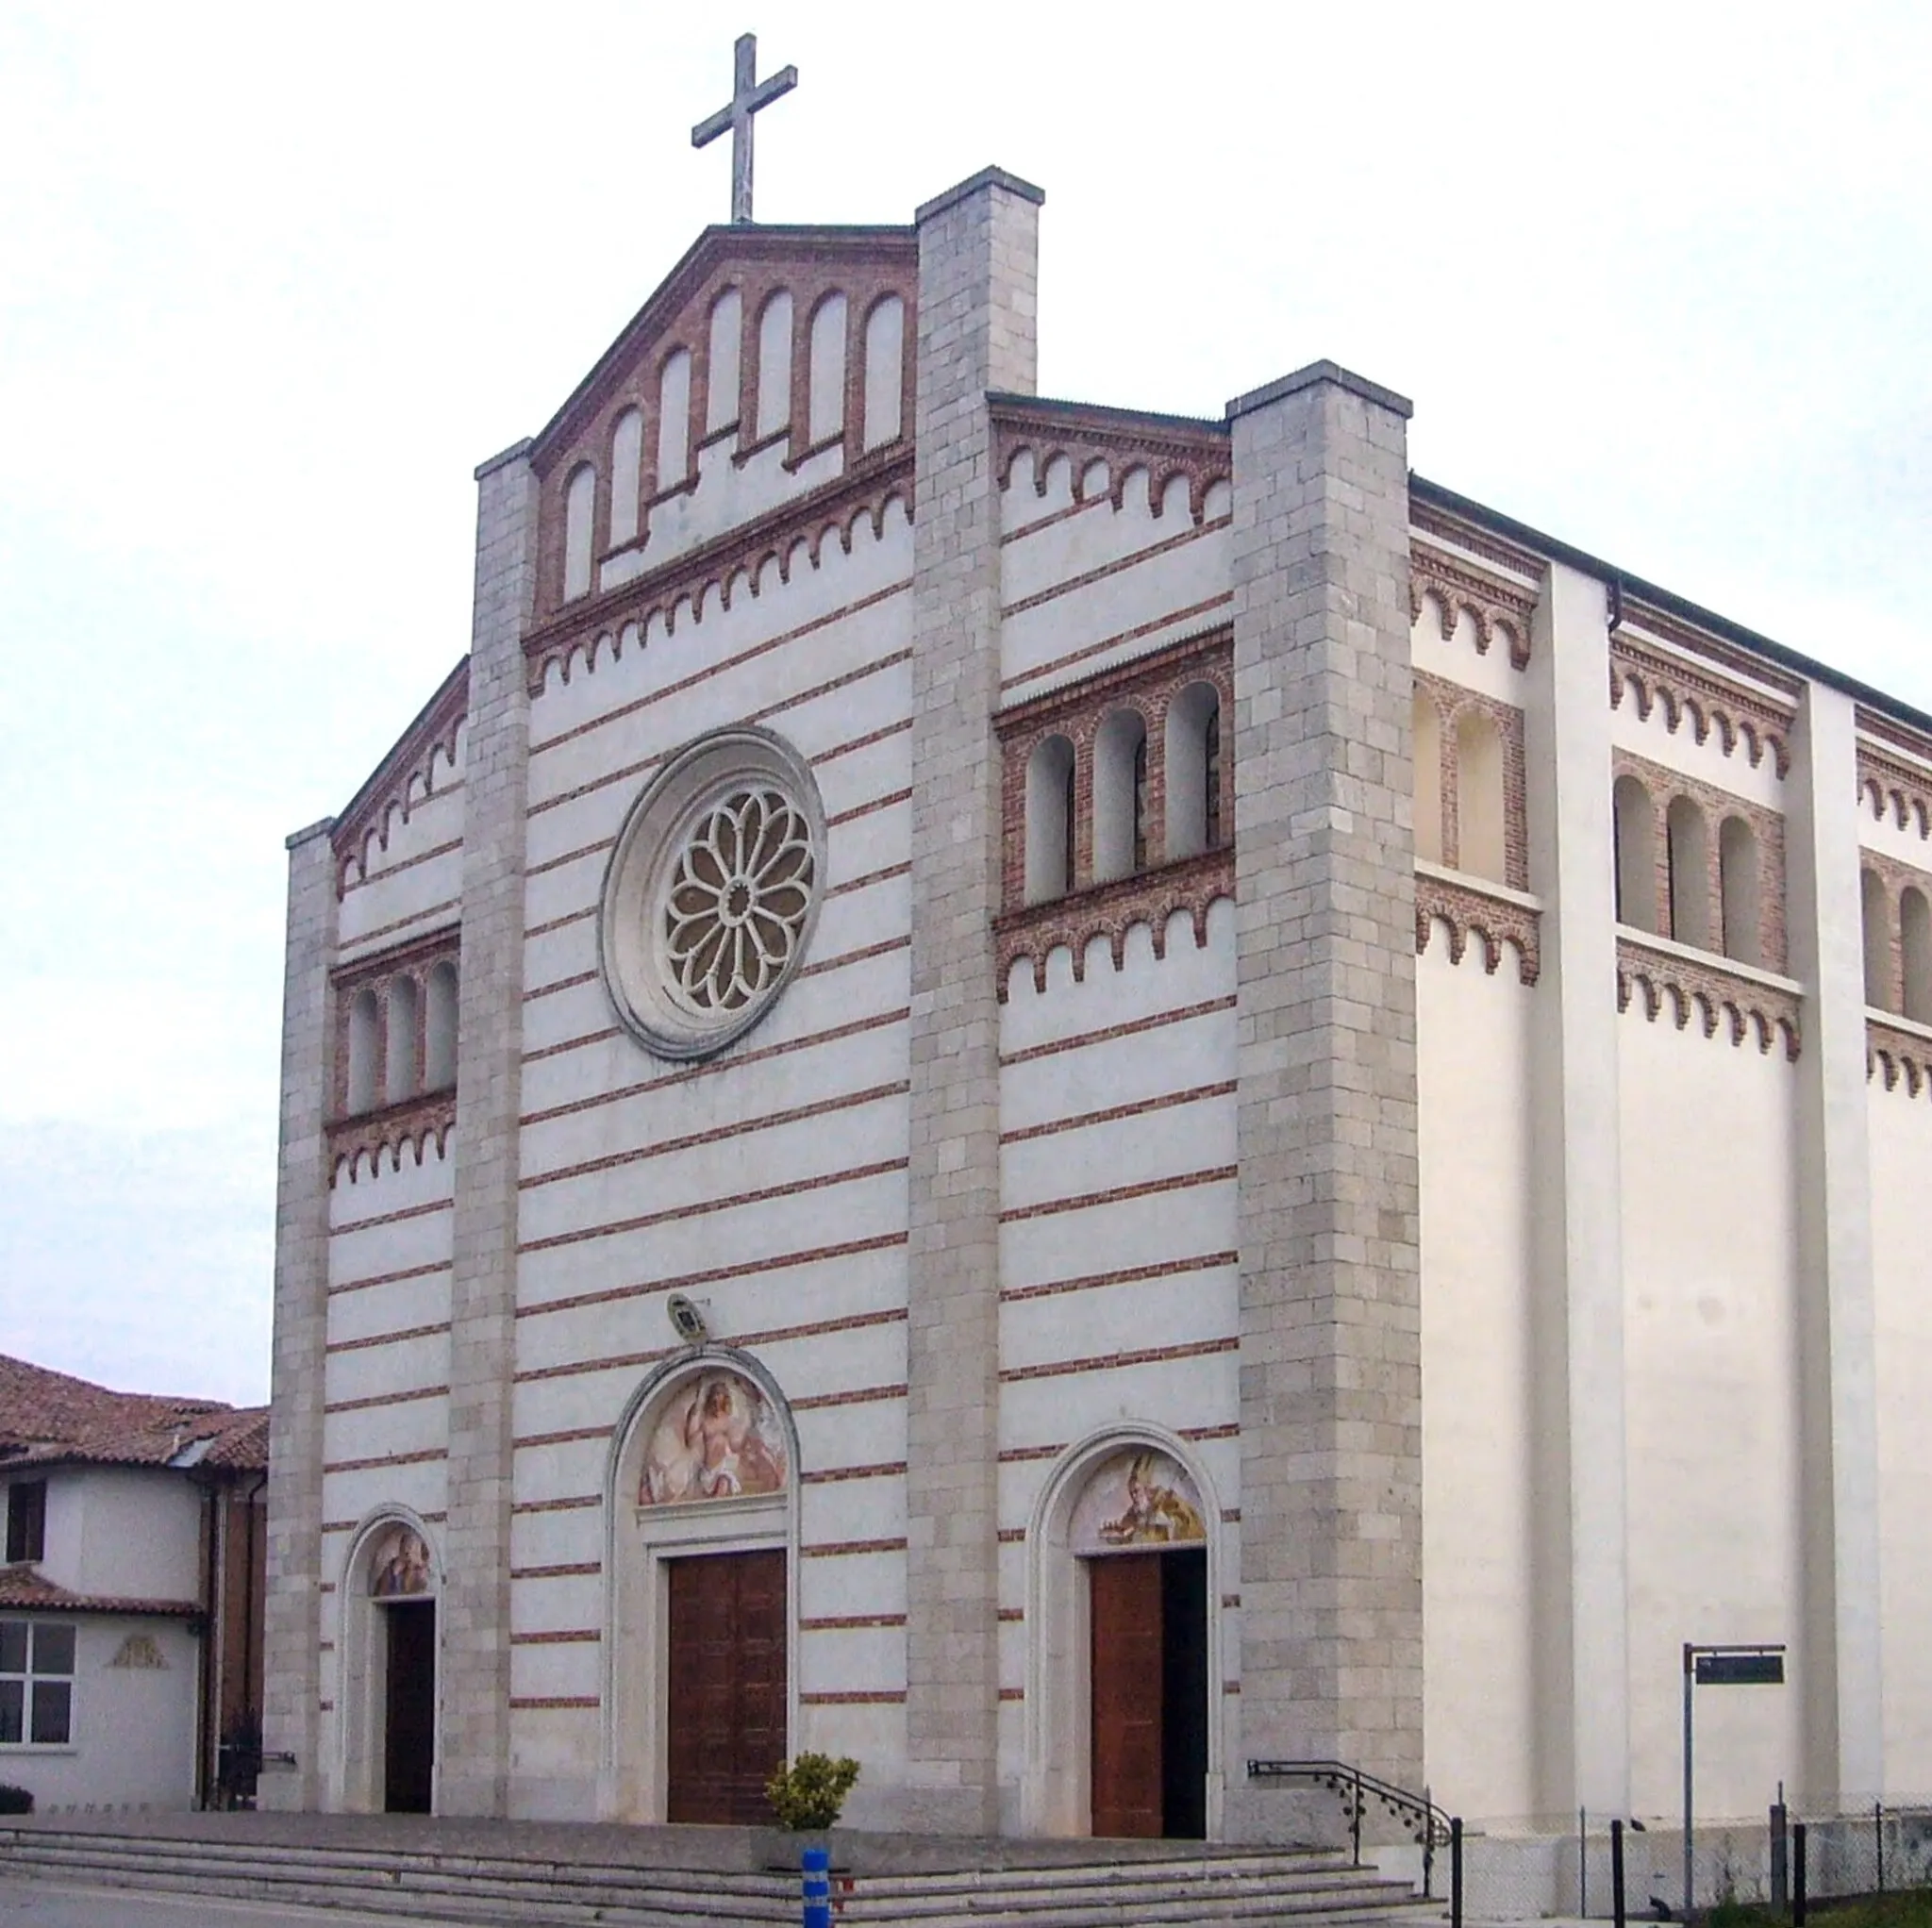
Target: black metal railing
{"x":1428,"y":1825}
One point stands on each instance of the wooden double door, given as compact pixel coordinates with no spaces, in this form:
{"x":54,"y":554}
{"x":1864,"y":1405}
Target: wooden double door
{"x":725,"y":1709}
{"x":1148,"y":1684}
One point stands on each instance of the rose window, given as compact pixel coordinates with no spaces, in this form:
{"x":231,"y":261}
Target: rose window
{"x":735,"y":913}
{"x":711,"y":892}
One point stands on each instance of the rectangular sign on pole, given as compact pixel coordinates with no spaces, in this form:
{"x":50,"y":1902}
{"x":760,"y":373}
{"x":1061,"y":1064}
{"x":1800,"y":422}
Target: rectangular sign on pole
{"x":1741,"y":1670}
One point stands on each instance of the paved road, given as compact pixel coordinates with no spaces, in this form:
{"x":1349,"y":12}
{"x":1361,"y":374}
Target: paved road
{"x":28,"y":1903}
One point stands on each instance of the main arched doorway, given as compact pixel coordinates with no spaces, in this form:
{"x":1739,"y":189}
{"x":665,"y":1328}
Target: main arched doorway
{"x":1121,"y":1738}
{"x":703,"y":1518}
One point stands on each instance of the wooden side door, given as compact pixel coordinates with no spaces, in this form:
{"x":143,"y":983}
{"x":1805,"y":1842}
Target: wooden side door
{"x":725,"y":1706}
{"x":1127,"y":1650}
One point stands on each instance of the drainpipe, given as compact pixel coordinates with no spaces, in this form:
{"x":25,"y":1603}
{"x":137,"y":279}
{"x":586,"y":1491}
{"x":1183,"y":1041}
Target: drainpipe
{"x":205,"y":1718}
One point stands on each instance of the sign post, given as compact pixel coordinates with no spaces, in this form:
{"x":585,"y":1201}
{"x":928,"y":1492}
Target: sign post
{"x":1761,"y":1666}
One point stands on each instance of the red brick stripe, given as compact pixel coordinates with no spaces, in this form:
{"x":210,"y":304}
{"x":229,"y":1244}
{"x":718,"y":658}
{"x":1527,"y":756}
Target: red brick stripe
{"x":570,"y":1505}
{"x":864,"y":1395}
{"x":876,"y":804}
{"x":858,"y":957}
{"x":562,"y":1570}
{"x":824,"y":1181}
{"x":386,"y":1338}
{"x":828,"y":1475}
{"x":817,"y":1328}
{"x":740,"y":1127}
{"x":1120,"y":639}
{"x":868,"y":878}
{"x":868,"y":1697}
{"x":1118,"y":567}
{"x":422,"y":1457}
{"x":1202,"y":1261}
{"x":563,"y":1637}
{"x":1079,"y":1120}
{"x":558,"y":983}
{"x":356,"y":955}
{"x":840,"y":1622}
{"x":357,"y":1406}
{"x":558,"y":923}
{"x":391,"y":1278}
{"x":566,"y":1438}
{"x":395,"y":1218}
{"x":838,"y":1548}
{"x":873,"y":1022}
{"x":1119,"y":1194}
{"x":590,"y":1702}
{"x":1080,"y":1040}
{"x":1110,"y":1362}
{"x":407,"y":863}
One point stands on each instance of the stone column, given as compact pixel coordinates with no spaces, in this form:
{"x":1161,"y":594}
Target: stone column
{"x":1579,"y":1553}
{"x":977,"y":251}
{"x":1839,"y":1667}
{"x":1330,"y":1320}
{"x":474,"y":1745}
{"x":291,"y":1659}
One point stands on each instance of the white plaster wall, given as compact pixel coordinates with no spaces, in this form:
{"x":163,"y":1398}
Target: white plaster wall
{"x":1901,"y":1127}
{"x":1103,"y":584}
{"x":138,"y":1534}
{"x":133,"y":1733}
{"x":1456,"y":659}
{"x":1884,"y":835}
{"x":1705,"y":762}
{"x":1710,"y":1283}
{"x":1480,"y":1409}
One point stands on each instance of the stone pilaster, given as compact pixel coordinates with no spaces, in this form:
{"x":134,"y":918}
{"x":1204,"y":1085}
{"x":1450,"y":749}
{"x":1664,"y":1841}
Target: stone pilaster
{"x":474,"y":1745}
{"x":1580,"y":1546}
{"x":1840,"y":1663}
{"x":977,"y":251}
{"x":291,"y":1680}
{"x":1330,"y":1322}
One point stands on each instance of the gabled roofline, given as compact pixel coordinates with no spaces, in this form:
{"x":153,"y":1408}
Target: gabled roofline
{"x":1100,"y":414}
{"x":1671,"y":604}
{"x":712,"y":246}
{"x":428,"y":722}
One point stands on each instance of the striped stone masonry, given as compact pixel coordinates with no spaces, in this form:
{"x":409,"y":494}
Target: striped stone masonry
{"x":291,"y":1680}
{"x":1330,"y":1334}
{"x":977,"y":249}
{"x":474,"y":1740}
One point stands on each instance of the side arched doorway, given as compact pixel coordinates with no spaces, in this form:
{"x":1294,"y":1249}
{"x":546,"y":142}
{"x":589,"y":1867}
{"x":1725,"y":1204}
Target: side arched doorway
{"x":1120,"y":1735}
{"x":701,"y":1696}
{"x":390,"y":1687}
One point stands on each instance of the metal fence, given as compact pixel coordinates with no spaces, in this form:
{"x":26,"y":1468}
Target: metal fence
{"x":1533,"y":1867}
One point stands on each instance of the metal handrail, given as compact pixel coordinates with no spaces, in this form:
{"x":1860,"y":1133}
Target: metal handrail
{"x":1429,"y":1826}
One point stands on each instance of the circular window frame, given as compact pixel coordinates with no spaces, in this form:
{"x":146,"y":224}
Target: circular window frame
{"x":631,"y":943}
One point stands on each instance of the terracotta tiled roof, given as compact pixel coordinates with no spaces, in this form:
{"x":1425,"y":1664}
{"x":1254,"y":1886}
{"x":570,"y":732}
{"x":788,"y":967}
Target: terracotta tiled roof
{"x":23,"y":1587}
{"x":48,"y":1416}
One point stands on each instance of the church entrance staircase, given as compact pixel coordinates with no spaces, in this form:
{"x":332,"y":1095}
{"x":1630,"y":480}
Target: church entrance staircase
{"x":498,"y":1872}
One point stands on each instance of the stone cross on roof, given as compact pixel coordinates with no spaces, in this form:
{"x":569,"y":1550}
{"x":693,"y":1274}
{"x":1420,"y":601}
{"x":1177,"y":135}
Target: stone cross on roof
{"x":748,"y":94}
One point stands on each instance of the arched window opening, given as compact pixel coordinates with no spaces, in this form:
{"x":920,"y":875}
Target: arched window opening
{"x":1480,"y":839}
{"x":721,"y":375}
{"x":580,"y":501}
{"x":827,"y":412}
{"x":1427,"y":732}
{"x":626,"y":452}
{"x":440,"y":1029}
{"x":1193,"y":771}
{"x":1635,"y":829}
{"x":399,"y":1042}
{"x":1049,"y":819}
{"x":673,"y":421}
{"x":1878,"y":942}
{"x":365,"y":1039}
{"x":1737,"y":857}
{"x":1689,"y":862}
{"x":1915,"y":936}
{"x":1120,"y":828}
{"x":774,"y":364}
{"x":885,"y":371}
{"x":1141,"y":803}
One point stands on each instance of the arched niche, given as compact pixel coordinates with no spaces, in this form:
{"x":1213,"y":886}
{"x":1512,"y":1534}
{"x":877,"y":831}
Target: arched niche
{"x":627,"y":455}
{"x":1738,"y":891}
{"x":1481,"y":837}
{"x":579,"y":502}
{"x":1120,"y":795}
{"x":1690,"y":852}
{"x":720,"y":378}
{"x":826,"y":403}
{"x":399,"y":1042}
{"x":1193,"y":771}
{"x":1877,"y":907}
{"x":775,"y":363}
{"x":1427,"y":727}
{"x":885,"y":371}
{"x":703,"y":1460}
{"x":1634,"y":826}
{"x":1050,"y":819}
{"x":1129,"y":1489}
{"x":365,"y":1051}
{"x":440,"y":1028}
{"x":674,"y":420}
{"x":394,"y":1566}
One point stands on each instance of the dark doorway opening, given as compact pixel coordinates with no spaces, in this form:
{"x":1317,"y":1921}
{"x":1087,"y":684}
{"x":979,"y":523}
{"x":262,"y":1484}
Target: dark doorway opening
{"x":408,"y":1749}
{"x":726,"y":1704}
{"x":1148,"y":1682}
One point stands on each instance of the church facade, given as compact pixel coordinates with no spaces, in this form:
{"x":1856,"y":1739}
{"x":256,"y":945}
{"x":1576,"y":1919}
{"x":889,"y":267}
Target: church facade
{"x":1058,"y":1097}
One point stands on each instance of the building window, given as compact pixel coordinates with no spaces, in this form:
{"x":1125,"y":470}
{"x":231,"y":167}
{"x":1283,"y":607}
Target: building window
{"x":26,"y":1520}
{"x":36,"y":1683}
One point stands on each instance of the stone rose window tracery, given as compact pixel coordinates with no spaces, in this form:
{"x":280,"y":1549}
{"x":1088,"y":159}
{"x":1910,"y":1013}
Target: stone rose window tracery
{"x":712,"y":892}
{"x":740,"y":892}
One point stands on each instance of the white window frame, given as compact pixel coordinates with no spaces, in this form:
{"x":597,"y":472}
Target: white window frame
{"x":27,"y":1675}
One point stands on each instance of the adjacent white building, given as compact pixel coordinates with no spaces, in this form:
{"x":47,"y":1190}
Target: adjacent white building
{"x":1059,"y":1096}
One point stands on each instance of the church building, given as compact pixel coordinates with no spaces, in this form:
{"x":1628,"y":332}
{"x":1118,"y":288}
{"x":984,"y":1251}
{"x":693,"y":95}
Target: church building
{"x":1060,"y":1097}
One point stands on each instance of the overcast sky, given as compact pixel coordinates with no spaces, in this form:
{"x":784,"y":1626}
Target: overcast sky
{"x":274,"y":280}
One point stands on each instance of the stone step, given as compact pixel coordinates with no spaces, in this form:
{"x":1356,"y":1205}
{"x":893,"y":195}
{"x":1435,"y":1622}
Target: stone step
{"x":1309,"y":1890}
